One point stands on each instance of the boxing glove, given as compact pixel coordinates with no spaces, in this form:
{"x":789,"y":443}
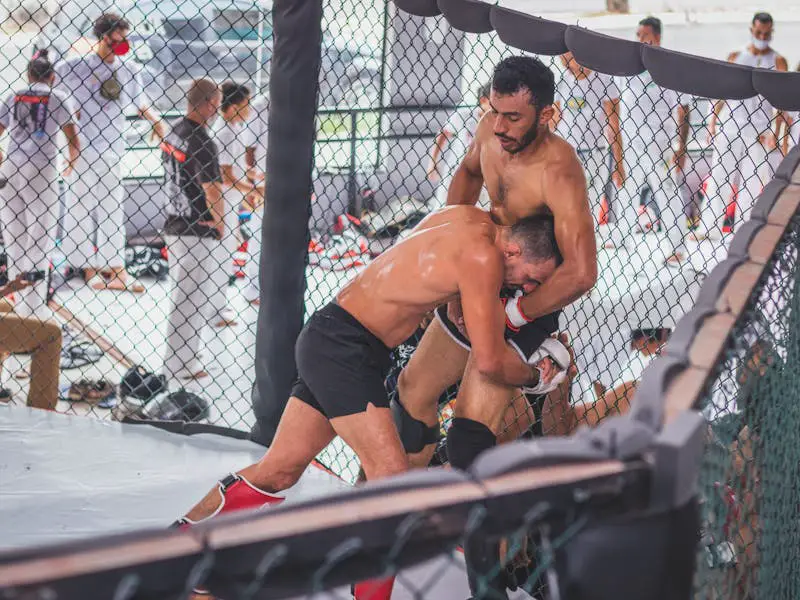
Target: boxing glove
{"x":556,"y":351}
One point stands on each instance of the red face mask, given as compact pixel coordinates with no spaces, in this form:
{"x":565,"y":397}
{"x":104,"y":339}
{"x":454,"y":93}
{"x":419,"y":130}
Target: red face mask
{"x":120,"y":48}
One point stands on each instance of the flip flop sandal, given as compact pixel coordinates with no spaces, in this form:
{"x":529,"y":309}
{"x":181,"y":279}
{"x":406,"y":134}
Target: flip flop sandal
{"x":99,"y":393}
{"x":79,"y":354}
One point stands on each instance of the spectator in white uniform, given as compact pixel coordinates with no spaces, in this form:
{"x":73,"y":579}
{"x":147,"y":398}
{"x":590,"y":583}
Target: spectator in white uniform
{"x":652,"y":118}
{"x":452,"y":143}
{"x":194,"y":226}
{"x":744,"y":137}
{"x":35,"y":116}
{"x":256,"y":134}
{"x":103,"y":87}
{"x":229,"y":135}
{"x":585,"y":116}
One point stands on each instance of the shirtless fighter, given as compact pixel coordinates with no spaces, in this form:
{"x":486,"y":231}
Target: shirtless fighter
{"x":343,"y":351}
{"x":528,"y":171}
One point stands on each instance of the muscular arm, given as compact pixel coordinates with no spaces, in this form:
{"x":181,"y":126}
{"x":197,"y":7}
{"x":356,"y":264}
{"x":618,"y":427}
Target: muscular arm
{"x":465,"y":187}
{"x":574,"y":228}
{"x":480,"y":279}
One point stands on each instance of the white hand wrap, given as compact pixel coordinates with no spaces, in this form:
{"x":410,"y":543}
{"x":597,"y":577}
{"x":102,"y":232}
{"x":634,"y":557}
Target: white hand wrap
{"x":556,"y":351}
{"x":515,"y":318}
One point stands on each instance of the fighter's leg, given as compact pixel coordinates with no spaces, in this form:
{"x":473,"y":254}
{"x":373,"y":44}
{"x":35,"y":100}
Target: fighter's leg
{"x":79,"y":214}
{"x":302,"y":434}
{"x":437,"y":363}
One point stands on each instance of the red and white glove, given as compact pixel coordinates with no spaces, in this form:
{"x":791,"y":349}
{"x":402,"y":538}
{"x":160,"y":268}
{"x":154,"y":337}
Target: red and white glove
{"x":515,"y":318}
{"x":556,"y":351}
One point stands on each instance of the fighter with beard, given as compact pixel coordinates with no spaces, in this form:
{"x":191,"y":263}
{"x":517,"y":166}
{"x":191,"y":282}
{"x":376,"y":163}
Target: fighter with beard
{"x":527,"y":171}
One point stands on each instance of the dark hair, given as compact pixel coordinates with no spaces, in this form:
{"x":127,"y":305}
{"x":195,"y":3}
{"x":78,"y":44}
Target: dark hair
{"x":517,"y":73}
{"x":40,"y":68}
{"x":233,"y":93}
{"x":484,"y":90}
{"x":653,"y":23}
{"x":108,"y":23}
{"x":537,"y":237}
{"x":762,"y":17}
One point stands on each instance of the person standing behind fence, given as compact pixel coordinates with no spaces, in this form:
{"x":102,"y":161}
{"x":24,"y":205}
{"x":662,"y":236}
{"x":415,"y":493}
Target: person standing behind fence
{"x":744,"y":138}
{"x":34,"y":115}
{"x":452,"y":143}
{"x":585,"y":116}
{"x":256,"y":134}
{"x":103,"y":87}
{"x":228,"y":134}
{"x":194,"y":226}
{"x":651,"y":117}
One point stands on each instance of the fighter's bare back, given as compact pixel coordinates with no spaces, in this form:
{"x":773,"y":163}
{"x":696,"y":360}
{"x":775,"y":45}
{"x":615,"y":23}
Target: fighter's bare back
{"x":392,"y":295}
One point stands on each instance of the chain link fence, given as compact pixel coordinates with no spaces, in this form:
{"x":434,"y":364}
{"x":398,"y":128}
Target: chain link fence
{"x":129,"y":297}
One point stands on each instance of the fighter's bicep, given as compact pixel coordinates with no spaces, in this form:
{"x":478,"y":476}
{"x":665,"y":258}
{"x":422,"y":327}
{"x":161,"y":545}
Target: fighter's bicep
{"x":480,"y":280}
{"x":574,"y":225}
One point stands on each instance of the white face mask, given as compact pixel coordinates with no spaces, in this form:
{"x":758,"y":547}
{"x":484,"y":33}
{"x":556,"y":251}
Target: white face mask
{"x":759,"y":44}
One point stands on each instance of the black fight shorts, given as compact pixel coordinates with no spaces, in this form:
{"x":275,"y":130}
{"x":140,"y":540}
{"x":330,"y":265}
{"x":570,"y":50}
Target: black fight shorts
{"x":341,"y":366}
{"x":526,"y":340}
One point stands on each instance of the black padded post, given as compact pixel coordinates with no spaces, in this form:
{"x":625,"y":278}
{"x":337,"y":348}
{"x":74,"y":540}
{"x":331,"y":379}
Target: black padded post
{"x":284,"y":252}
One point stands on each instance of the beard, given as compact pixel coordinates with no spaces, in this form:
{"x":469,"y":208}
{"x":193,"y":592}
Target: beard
{"x":526,"y":140}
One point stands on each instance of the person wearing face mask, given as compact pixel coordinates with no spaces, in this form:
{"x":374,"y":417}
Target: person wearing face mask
{"x":34,"y":115}
{"x":585,"y":116}
{"x":228,"y":133}
{"x":194,"y":227}
{"x":651,"y":118}
{"x":104,"y":87}
{"x":744,"y":136}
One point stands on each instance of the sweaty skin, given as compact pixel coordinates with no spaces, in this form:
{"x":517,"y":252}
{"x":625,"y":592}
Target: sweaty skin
{"x":452,"y":253}
{"x":546,"y":177}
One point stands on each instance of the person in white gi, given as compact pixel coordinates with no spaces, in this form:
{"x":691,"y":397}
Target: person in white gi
{"x":452,"y":143}
{"x":255,"y":140}
{"x":103,"y":87}
{"x":584,"y":116}
{"x":744,"y":138}
{"x":34,"y":116}
{"x":229,"y":136}
{"x":651,"y":118}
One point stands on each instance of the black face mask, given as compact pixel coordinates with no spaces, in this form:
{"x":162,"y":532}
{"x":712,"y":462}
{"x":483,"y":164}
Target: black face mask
{"x":530,"y":135}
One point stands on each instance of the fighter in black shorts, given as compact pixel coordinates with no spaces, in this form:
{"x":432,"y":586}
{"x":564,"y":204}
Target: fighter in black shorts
{"x":343,"y":352}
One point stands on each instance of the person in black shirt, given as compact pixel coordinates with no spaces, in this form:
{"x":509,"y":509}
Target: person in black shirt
{"x":194,"y":225}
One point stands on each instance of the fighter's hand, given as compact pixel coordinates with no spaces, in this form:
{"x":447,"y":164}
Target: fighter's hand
{"x":456,"y":316}
{"x":618,"y":176}
{"x":552,"y":360}
{"x":515,"y":318}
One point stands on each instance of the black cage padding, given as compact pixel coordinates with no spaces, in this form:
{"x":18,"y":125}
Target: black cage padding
{"x":467,"y":15}
{"x":529,"y":33}
{"x":781,"y":89}
{"x":704,"y":77}
{"x":419,"y":8}
{"x":603,"y":53}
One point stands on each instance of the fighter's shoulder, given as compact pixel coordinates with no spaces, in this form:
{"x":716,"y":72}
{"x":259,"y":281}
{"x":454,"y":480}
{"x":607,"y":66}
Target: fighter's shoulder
{"x":485,"y":127}
{"x":563,"y":158}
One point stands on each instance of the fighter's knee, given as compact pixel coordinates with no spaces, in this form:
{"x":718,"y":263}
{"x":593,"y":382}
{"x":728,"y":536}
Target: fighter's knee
{"x":415,"y":433}
{"x":275,"y":480}
{"x":466,"y":439}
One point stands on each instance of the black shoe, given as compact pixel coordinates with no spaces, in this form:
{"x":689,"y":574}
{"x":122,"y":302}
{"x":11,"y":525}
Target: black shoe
{"x":5,"y":395}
